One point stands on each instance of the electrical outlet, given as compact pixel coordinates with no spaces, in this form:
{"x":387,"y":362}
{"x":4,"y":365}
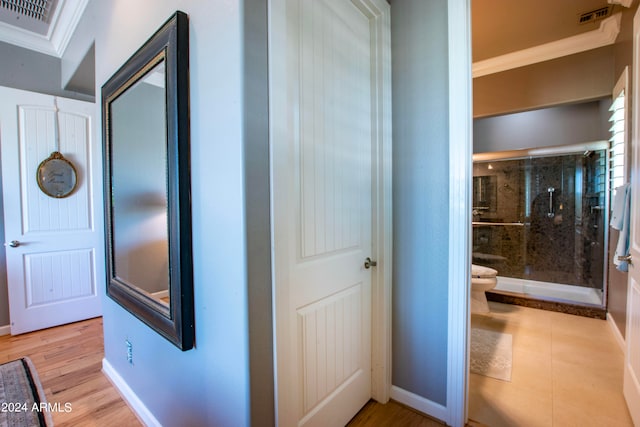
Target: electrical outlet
{"x":129,"y":352}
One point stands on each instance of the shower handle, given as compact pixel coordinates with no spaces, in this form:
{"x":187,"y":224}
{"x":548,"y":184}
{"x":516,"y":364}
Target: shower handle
{"x":551,"y":214}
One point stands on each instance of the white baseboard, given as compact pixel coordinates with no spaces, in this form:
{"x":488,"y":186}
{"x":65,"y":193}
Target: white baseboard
{"x":419,"y":403}
{"x":616,"y":333}
{"x":5,"y":330}
{"x":134,"y":402}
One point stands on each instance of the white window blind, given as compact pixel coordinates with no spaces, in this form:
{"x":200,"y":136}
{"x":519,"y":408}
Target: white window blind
{"x":617,"y":143}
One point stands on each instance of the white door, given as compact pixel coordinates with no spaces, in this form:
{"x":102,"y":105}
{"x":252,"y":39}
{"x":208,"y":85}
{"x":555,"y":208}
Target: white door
{"x":632,"y":354}
{"x":51,"y":266}
{"x":326,"y":105}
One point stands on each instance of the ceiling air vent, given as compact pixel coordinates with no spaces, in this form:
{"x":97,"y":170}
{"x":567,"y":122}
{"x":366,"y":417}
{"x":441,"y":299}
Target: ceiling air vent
{"x":594,"y":15}
{"x":34,"y":9}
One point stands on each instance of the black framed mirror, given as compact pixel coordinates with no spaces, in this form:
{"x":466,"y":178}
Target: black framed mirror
{"x":145,"y":116}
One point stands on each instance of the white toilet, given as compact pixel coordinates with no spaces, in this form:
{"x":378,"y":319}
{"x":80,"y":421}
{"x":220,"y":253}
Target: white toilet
{"x":482,"y":280}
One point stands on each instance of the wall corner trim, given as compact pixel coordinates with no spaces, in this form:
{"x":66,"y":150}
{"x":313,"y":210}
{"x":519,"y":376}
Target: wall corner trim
{"x":625,"y":3}
{"x":460,"y":177}
{"x":134,"y":402}
{"x":604,"y":35}
{"x":419,"y":403}
{"x":5,"y":330}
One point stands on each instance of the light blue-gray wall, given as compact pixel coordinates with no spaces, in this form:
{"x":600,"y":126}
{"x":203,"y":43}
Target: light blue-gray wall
{"x":33,"y":71}
{"x":562,"y":125}
{"x":215,"y":383}
{"x":420,"y":197}
{"x":258,"y":207}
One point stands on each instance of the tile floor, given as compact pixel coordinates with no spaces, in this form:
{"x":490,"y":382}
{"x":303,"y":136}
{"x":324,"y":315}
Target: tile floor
{"x":567,"y":371}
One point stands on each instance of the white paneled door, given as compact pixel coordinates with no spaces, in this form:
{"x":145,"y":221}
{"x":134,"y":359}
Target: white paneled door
{"x":632,"y":339}
{"x":50,"y":242}
{"x":327,"y":111}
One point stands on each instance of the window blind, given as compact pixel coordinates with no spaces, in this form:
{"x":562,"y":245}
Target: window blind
{"x":617,"y":143}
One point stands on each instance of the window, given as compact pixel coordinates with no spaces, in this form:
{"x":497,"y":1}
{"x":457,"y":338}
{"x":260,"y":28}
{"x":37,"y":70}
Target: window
{"x":618,"y":140}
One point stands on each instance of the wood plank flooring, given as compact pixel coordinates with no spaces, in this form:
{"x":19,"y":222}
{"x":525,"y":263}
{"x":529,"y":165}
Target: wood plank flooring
{"x":394,"y":414}
{"x":391,"y":414}
{"x":69,"y":363}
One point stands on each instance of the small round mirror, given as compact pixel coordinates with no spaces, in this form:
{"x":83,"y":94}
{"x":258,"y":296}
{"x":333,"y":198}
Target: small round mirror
{"x":56,"y":176}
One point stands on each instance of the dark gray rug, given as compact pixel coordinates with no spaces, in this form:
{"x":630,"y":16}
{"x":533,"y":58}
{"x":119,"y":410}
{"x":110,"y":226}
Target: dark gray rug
{"x":22,"y":400}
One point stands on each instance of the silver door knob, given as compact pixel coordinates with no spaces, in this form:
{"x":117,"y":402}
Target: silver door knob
{"x":14,"y":244}
{"x":368,"y":263}
{"x":625,"y":258}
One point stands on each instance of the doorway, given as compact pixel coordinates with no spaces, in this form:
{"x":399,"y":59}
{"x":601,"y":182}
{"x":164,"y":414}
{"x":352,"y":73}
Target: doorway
{"x":521,"y":90}
{"x":52,"y":268}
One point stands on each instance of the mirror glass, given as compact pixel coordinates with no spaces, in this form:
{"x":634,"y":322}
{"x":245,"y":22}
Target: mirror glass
{"x":139,"y":185}
{"x":485,"y":193}
{"x":147,"y":178}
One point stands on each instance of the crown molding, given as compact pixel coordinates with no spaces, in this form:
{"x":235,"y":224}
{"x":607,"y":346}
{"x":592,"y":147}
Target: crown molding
{"x":604,"y":35}
{"x":54,"y":43}
{"x":625,"y":3}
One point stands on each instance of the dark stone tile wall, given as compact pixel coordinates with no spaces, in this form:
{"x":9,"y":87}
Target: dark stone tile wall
{"x":543,"y":218}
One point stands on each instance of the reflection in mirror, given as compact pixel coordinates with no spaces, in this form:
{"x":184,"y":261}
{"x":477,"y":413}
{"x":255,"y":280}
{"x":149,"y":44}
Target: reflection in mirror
{"x":139,"y":185}
{"x":485,"y":190}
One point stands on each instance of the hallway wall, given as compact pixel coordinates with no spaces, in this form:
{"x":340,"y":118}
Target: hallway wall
{"x":420,"y":197}
{"x":226,"y":380}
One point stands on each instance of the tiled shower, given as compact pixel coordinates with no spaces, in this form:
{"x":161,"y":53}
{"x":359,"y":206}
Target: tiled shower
{"x":541,"y":221}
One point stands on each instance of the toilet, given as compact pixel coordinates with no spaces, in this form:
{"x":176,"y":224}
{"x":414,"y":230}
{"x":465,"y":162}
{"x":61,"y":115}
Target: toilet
{"x":482,"y":280}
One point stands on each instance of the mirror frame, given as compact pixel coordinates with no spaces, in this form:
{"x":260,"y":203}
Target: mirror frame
{"x":175,"y":322}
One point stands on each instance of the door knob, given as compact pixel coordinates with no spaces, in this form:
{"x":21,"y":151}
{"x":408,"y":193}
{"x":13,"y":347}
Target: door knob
{"x":625,"y":258}
{"x":368,"y":263}
{"x":14,"y":244}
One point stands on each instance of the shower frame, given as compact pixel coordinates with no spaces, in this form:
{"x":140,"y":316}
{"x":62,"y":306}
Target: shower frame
{"x":554,"y":151}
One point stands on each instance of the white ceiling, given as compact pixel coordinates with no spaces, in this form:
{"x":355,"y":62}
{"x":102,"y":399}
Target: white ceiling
{"x":45,"y":26}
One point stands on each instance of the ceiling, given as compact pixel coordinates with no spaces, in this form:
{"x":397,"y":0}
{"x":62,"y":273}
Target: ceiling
{"x":504,"y":26}
{"x":30,"y":15}
{"x":45,"y":26}
{"x":498,"y":26}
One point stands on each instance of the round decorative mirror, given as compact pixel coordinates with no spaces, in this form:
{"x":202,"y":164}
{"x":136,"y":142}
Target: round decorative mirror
{"x":56,"y":176}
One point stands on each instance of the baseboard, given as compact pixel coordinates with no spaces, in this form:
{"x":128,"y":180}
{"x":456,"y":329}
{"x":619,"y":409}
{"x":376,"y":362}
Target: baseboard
{"x":5,"y":330}
{"x":134,"y":402}
{"x":616,"y":333}
{"x":419,"y":403}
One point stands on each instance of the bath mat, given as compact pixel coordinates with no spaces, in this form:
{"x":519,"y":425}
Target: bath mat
{"x":21,"y":396}
{"x":491,"y":354}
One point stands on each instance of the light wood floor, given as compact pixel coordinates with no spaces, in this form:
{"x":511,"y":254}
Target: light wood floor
{"x":69,"y":362}
{"x":391,"y":414}
{"x":566,"y":368}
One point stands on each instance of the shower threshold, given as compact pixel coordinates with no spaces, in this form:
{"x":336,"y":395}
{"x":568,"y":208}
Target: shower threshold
{"x":549,"y":296}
